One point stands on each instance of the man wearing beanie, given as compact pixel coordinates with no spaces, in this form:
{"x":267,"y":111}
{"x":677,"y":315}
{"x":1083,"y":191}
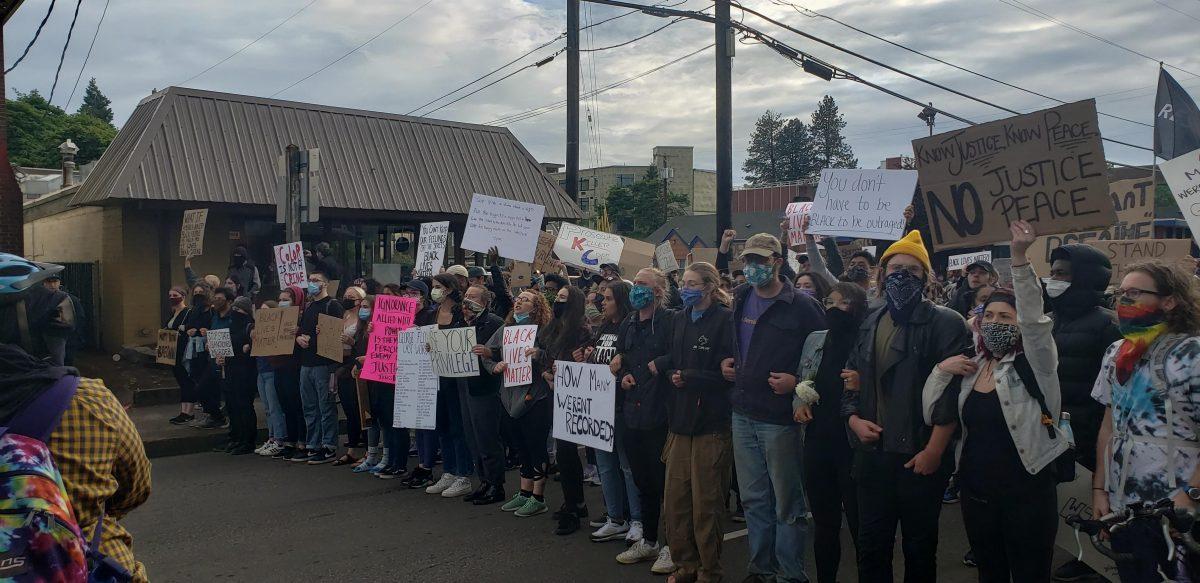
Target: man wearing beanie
{"x":898,"y":459}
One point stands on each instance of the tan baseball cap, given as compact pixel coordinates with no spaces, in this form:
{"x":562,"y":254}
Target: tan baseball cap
{"x":458,"y":270}
{"x":763,"y":245}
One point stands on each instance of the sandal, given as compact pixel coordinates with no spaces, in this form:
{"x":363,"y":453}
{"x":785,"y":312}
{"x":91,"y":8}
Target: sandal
{"x":345,"y":460}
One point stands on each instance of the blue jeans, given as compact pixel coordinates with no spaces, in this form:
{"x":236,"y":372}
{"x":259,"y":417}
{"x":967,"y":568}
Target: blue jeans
{"x":276,"y":426}
{"x":320,"y":406}
{"x":616,"y":482}
{"x":768,"y":459}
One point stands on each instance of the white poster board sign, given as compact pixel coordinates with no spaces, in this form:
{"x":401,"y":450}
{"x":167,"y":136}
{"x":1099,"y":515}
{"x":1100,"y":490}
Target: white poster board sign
{"x":961,"y":261}
{"x":871,"y":249}
{"x":431,"y":249}
{"x":1183,"y":176}
{"x":415,"y":405}
{"x":219,"y":343}
{"x":191,"y":235}
{"x":664,"y":256}
{"x":584,"y":404}
{"x":861,"y":203}
{"x":587,"y":249}
{"x":451,"y":352}
{"x":289,"y":264}
{"x":518,"y":367}
{"x":795,"y":211}
{"x":510,"y":225}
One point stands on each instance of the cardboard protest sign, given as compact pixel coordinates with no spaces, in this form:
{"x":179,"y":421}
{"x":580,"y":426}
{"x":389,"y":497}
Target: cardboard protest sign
{"x":510,"y":225}
{"x":587,"y":249}
{"x":1046,"y":167}
{"x":415,"y":403}
{"x":329,"y":340}
{"x":191,"y":235}
{"x":664,"y":257}
{"x":333,"y":288}
{"x":168,"y":343}
{"x":519,"y":368}
{"x":1075,"y":499}
{"x":1183,"y":176}
{"x":1133,"y":201}
{"x":1120,"y":253}
{"x":274,"y":331}
{"x":219,"y":343}
{"x":521,"y":275}
{"x":451,"y":352}
{"x":389,"y":316}
{"x":635,"y":256}
{"x":543,"y":256}
{"x":289,"y":264}
{"x":861,"y":203}
{"x":795,"y":212}
{"x":961,"y":261}
{"x":431,"y":249}
{"x":584,"y":404}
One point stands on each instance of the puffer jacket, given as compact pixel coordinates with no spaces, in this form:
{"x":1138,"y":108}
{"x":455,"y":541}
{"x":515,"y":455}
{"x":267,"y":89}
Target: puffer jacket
{"x":638,"y":344}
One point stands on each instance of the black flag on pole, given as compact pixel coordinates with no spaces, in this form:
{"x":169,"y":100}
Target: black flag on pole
{"x":1176,"y":119}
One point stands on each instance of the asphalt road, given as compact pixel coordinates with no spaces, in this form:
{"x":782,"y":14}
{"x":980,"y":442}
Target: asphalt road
{"x":214,"y":517}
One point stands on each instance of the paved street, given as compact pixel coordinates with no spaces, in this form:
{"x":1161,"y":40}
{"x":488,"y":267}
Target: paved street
{"x":214,"y":517}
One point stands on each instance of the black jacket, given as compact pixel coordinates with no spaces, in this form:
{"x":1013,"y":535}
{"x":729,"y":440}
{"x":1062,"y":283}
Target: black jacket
{"x":486,"y":383}
{"x":932,"y":334}
{"x":640,"y":343}
{"x":775,"y":346}
{"x":308,"y":325}
{"x":1082,"y":329}
{"x":502,"y":303}
{"x":180,"y":322}
{"x":697,"y":349}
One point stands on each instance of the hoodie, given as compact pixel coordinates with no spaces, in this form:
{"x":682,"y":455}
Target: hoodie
{"x":245,"y":273}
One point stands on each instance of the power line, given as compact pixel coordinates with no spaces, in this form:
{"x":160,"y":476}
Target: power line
{"x":1169,"y":7}
{"x":355,"y":49}
{"x":633,"y":40}
{"x":485,"y":76}
{"x":249,"y":44}
{"x":87,"y":57}
{"x":34,"y":39}
{"x":63,"y":56}
{"x":531,"y":66}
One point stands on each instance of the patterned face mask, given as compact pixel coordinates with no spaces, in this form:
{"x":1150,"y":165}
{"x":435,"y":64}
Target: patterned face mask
{"x":999,"y":338}
{"x":903,"y":291}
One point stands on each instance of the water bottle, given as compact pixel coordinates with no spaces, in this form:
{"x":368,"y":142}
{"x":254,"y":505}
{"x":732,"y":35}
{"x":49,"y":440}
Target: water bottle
{"x":1064,"y":425}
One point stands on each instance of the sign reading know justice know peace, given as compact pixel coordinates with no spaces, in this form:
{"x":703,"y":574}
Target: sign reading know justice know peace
{"x":862,"y":203}
{"x":511,"y":226}
{"x":1046,"y":167}
{"x":584,"y":404}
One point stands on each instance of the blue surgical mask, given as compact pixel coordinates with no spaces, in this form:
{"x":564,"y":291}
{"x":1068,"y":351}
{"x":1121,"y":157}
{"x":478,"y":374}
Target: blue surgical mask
{"x":640,"y":296}
{"x":314,"y":287}
{"x":285,"y":303}
{"x":364,"y":313}
{"x":520,"y":318}
{"x":691,"y":296}
{"x":758,"y":274}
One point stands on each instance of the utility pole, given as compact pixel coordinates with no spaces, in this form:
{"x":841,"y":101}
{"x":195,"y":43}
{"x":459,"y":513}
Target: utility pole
{"x":292,"y":217}
{"x":573,"y":99}
{"x":724,"y":87}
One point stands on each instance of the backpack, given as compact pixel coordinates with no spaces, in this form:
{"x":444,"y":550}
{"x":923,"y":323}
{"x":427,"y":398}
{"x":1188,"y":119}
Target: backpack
{"x":1063,"y":466}
{"x":40,"y":539}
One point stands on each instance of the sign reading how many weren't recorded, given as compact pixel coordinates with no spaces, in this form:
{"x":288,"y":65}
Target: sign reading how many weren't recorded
{"x":584,"y":404}
{"x":1045,"y":167}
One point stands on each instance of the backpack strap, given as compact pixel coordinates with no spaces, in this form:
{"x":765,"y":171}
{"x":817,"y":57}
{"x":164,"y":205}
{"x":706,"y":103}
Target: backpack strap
{"x":41,"y":416}
{"x":1029,"y":380}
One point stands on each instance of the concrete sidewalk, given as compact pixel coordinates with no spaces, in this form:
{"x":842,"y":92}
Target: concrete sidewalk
{"x":161,"y":439}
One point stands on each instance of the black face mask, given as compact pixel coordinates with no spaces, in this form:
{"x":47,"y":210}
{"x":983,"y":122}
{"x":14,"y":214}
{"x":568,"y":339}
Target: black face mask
{"x":560,"y":308}
{"x":239,"y":260}
{"x":347,"y":303}
{"x":199,"y":300}
{"x":840,"y":320}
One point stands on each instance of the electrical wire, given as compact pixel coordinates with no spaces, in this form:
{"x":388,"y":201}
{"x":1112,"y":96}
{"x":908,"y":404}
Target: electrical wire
{"x":531,"y":66}
{"x":355,"y":49}
{"x":87,"y":57}
{"x":62,"y":57}
{"x":36,"y":34}
{"x":249,"y":44}
{"x":633,"y":40}
{"x":1169,"y":7}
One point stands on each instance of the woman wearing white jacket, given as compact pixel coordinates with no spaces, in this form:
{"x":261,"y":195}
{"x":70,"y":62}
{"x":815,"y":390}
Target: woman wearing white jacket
{"x":1010,"y":437}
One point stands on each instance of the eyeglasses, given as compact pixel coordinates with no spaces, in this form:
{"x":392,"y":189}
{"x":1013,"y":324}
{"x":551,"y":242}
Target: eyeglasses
{"x":1133,"y":293}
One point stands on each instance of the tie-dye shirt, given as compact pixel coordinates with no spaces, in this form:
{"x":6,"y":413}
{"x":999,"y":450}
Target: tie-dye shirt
{"x":1140,"y":411}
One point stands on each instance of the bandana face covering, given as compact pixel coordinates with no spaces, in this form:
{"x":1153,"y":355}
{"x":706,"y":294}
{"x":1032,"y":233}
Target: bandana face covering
{"x":1140,"y":326}
{"x":903,"y":291}
{"x":999,"y":338}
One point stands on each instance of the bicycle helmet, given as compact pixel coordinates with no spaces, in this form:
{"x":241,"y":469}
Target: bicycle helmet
{"x":18,"y":274}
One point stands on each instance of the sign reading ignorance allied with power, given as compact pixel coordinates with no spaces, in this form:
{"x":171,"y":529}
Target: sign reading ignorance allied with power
{"x":1045,"y":167}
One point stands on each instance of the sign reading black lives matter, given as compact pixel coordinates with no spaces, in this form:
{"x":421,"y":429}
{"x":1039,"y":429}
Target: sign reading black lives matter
{"x":584,"y":404}
{"x":1046,"y":167}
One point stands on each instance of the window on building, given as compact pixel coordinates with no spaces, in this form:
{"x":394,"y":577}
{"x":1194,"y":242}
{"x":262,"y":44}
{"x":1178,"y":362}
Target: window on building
{"x":583,"y":184}
{"x":584,"y":204}
{"x":626,"y":179}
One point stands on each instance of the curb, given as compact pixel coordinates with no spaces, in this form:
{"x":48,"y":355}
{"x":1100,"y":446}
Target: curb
{"x":191,"y":441}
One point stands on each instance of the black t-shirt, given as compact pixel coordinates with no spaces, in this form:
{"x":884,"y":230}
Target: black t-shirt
{"x":308,"y":326}
{"x":990,"y":463}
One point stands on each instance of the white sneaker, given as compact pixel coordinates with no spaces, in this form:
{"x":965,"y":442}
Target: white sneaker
{"x":270,"y":449}
{"x":635,"y":532}
{"x":663,"y":565}
{"x":460,"y":487}
{"x":640,"y":551}
{"x":612,"y":530}
{"x":440,"y":486}
{"x":259,"y":450}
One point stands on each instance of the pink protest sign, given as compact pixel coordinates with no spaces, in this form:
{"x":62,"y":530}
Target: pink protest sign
{"x":389,"y":317}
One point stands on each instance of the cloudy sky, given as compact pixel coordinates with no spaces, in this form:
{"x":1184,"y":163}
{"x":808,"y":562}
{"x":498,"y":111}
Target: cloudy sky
{"x":147,"y":44}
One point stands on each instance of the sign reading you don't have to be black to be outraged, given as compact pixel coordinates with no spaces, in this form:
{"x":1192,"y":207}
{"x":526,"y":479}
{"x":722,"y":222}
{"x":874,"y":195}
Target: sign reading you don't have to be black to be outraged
{"x":1046,"y":167}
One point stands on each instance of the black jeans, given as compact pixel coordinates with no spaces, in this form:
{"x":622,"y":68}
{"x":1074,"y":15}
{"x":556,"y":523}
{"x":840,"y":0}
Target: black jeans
{"x":348,"y":395}
{"x":238,"y":385}
{"x":1012,"y":532}
{"x":207,"y":376}
{"x":187,"y":386}
{"x":530,"y":432}
{"x":394,"y":439}
{"x":481,"y":423}
{"x":570,"y":472}
{"x":890,"y":494}
{"x":644,"y":448}
{"x":287,"y":386}
{"x":831,"y":491}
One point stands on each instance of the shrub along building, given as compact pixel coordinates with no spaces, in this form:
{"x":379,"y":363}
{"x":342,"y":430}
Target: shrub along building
{"x":381,"y":176}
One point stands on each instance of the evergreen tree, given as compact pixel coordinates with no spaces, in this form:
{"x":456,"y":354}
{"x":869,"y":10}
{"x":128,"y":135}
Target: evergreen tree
{"x":95,"y":103}
{"x":830,"y":149}
{"x":640,"y":208}
{"x":36,"y":128}
{"x":795,"y":147}
{"x":762,"y":165}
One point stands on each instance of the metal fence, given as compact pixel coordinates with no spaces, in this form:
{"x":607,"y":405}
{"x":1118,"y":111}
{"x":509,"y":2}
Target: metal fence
{"x":83,"y":281}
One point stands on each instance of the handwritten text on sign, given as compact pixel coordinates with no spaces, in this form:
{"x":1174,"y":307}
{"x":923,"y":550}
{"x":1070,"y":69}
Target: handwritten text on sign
{"x":451,"y":352}
{"x":587,"y":249}
{"x":1183,"y":176}
{"x":1121,"y":254}
{"x":191,"y":235}
{"x":510,"y":225}
{"x":519,"y":369}
{"x":862,"y":203}
{"x":220,"y":343}
{"x":1045,"y":167}
{"x":389,"y":317}
{"x":795,"y":212}
{"x":431,"y":248}
{"x":584,"y":404}
{"x":961,"y":261}
{"x":168,"y":342}
{"x":415,"y":402}
{"x":289,"y":264}
{"x":664,"y":256}
{"x":274,"y":331}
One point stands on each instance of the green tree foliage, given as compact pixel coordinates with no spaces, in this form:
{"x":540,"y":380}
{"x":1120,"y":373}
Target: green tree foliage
{"x":1164,"y":202}
{"x":796,"y":151}
{"x":787,"y":149}
{"x":36,"y":128}
{"x":637,"y":210}
{"x":763,"y":156}
{"x":95,"y":103}
{"x":830,"y":149}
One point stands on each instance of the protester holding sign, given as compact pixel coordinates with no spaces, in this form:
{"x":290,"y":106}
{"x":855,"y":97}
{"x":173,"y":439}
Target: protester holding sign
{"x":479,"y":397}
{"x":267,"y":391}
{"x":187,"y":387}
{"x":347,"y":387}
{"x":287,"y":379}
{"x":456,"y":457}
{"x":236,"y":373}
{"x":208,"y":387}
{"x":427,"y":439}
{"x":320,"y":407}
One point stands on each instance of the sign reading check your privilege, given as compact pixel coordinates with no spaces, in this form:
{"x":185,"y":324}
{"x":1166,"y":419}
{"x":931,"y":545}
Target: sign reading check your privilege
{"x":511,"y":226}
{"x":390,"y":316}
{"x":584,"y":404}
{"x":1046,"y":167}
{"x":865,"y":204}
{"x":451,"y":352}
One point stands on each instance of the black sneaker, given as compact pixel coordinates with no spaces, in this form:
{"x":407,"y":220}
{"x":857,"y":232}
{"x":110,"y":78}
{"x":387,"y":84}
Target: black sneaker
{"x":286,"y":453}
{"x":181,"y":419}
{"x":301,"y":455}
{"x":477,"y":494}
{"x":228,"y":447}
{"x":322,"y":457}
{"x":391,"y":473}
{"x":568,"y":523}
{"x":241,"y":450}
{"x":969,"y":559}
{"x":213,"y":423}
{"x":419,"y":478}
{"x":1075,"y":571}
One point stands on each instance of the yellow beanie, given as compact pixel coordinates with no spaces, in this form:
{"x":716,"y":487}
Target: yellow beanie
{"x":911,"y":244}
